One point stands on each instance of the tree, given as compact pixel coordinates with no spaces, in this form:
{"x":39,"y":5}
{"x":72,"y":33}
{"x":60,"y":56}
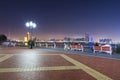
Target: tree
{"x":3,"y":38}
{"x":31,"y":43}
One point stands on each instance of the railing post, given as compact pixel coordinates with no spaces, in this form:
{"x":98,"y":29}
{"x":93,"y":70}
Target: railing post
{"x":54,"y":45}
{"x":46,"y":44}
{"x":40,"y":44}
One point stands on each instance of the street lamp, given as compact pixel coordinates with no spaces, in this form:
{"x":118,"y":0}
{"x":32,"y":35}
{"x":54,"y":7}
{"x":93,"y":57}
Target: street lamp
{"x":31,"y":25}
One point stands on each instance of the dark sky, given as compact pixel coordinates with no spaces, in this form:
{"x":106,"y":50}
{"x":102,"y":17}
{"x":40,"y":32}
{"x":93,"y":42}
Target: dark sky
{"x":60,"y":18}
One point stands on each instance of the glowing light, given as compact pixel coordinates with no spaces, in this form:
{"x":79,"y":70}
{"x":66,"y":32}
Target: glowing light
{"x":27,"y":24}
{"x":34,"y":25}
{"x":25,"y":39}
{"x":31,"y":25}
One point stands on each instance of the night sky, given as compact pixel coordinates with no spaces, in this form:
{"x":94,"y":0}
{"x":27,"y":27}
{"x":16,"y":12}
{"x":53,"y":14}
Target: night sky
{"x":60,"y":18}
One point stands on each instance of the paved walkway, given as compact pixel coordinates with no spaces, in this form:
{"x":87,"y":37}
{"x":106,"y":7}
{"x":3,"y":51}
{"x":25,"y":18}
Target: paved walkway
{"x":47,"y":64}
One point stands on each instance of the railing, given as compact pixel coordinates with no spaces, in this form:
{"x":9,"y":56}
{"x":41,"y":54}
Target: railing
{"x":71,"y":46}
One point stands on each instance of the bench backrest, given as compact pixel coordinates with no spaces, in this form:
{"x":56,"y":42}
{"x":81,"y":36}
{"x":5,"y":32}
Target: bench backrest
{"x":106,"y":48}
{"x":97,"y":47}
{"x":79,"y":46}
{"x":73,"y":46}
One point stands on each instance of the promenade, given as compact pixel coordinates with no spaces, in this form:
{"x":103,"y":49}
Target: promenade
{"x":56,"y":64}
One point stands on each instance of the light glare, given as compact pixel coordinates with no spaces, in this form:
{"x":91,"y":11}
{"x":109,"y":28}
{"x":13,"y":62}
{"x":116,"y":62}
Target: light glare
{"x":27,"y":24}
{"x":34,"y":25}
{"x":31,"y":25}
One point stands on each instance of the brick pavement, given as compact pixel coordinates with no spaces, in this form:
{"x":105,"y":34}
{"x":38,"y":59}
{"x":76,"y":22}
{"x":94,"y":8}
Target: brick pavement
{"x":38,"y":64}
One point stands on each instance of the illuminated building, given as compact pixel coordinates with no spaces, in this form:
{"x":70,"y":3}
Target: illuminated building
{"x":105,"y":40}
{"x":25,"y":41}
{"x":28,"y":36}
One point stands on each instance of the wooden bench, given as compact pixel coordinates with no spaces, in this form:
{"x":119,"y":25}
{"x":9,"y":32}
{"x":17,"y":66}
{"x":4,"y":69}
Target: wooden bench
{"x":107,"y":49}
{"x":77,"y":47}
{"x":104,"y":48}
{"x":73,"y":47}
{"x":97,"y":48}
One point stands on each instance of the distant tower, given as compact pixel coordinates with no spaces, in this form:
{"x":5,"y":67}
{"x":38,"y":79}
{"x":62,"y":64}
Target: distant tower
{"x":86,"y":37}
{"x":28,"y":36}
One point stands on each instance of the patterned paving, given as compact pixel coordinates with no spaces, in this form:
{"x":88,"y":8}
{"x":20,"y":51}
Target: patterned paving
{"x":76,"y":66}
{"x":5,"y":57}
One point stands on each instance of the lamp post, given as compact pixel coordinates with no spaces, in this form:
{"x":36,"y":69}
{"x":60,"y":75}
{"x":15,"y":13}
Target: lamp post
{"x":31,"y":25}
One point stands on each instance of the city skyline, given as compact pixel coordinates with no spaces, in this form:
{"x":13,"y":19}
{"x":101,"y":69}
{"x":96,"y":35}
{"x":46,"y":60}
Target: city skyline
{"x":61,"y":18}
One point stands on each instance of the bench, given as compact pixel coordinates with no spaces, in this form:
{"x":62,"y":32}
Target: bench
{"x":104,"y":48}
{"x":97,"y":48}
{"x":76,"y":47}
